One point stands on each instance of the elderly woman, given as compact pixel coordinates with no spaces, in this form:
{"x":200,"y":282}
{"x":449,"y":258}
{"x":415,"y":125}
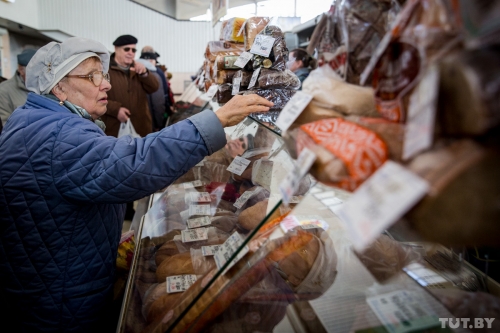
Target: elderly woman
{"x":64,"y":184}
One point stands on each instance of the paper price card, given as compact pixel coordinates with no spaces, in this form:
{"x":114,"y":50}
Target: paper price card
{"x":199,"y":210}
{"x":244,"y":198}
{"x":209,"y":250}
{"x":292,"y":110}
{"x":196,"y":183}
{"x":177,"y":238}
{"x":200,"y":197}
{"x":226,"y":250}
{"x":194,"y":235}
{"x":291,"y":182}
{"x":202,"y":163}
{"x":198,"y":222}
{"x":262,"y":45}
{"x":305,"y":222}
{"x":379,"y":202}
{"x":254,"y":78}
{"x":236,"y":86}
{"x":212,"y":90}
{"x":180,"y":283}
{"x":238,"y":165}
{"x":243,"y":59}
{"x":403,"y":311}
{"x":419,"y":129}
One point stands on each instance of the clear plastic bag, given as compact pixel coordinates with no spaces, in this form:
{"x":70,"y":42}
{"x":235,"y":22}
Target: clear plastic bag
{"x":278,"y":96}
{"x":272,"y":79}
{"x":223,"y":48}
{"x":225,"y":76}
{"x":231,"y":30}
{"x":251,"y":28}
{"x":224,"y":93}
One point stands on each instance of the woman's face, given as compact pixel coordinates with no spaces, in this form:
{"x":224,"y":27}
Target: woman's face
{"x":237,"y":146}
{"x":83,"y":92}
{"x":293,"y":64}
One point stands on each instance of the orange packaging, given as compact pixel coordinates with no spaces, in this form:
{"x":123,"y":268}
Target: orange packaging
{"x":361,"y":150}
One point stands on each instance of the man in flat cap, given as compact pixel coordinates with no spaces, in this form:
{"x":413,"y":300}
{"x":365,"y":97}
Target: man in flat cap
{"x":131,"y":82}
{"x":13,"y":92}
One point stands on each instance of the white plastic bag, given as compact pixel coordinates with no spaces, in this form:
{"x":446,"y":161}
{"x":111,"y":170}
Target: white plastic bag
{"x":128,"y":129}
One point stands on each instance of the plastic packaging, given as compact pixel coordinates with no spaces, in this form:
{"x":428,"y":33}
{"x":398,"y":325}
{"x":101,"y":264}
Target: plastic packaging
{"x":224,"y":93}
{"x":278,"y":96}
{"x":226,"y":62}
{"x":225,"y":76}
{"x":245,"y":76}
{"x":201,"y":264}
{"x":272,"y":79}
{"x":223,"y":48}
{"x":231,"y":28}
{"x":251,"y":28}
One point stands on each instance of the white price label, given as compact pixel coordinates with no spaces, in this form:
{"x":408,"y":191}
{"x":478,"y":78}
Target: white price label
{"x":226,"y":250}
{"x":196,"y":183}
{"x":379,"y":202}
{"x":244,"y":198}
{"x":212,"y":91}
{"x":202,"y":163}
{"x":200,"y":197}
{"x":305,"y":222}
{"x":243,"y":59}
{"x":194,"y":235}
{"x":198,"y":222}
{"x":419,"y":129}
{"x":177,"y":238}
{"x":180,"y":283}
{"x":209,"y":250}
{"x":254,"y":78}
{"x":291,"y":182}
{"x":292,"y":110}
{"x":236,"y":85}
{"x":295,"y":199}
{"x":403,"y":311}
{"x":238,"y":165}
{"x":262,"y":45}
{"x":199,"y":210}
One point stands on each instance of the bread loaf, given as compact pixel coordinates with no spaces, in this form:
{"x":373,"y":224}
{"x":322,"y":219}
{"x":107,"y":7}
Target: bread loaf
{"x":253,"y":26}
{"x":162,"y":304}
{"x":252,"y":216}
{"x":178,"y":264}
{"x":166,"y":250}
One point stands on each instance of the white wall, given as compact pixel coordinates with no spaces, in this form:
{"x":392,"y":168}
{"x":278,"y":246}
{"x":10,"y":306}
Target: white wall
{"x":24,"y":12}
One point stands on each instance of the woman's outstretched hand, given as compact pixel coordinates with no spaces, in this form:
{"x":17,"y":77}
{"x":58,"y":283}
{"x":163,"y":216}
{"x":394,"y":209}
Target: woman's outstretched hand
{"x":240,"y":106}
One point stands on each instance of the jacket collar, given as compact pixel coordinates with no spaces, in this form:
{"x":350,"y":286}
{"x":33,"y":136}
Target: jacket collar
{"x":114,"y":65}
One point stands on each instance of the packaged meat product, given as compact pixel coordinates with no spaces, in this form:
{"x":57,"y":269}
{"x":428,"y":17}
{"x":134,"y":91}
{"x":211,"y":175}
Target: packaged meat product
{"x":272,"y":79}
{"x":461,"y":206}
{"x":424,"y":31}
{"x":225,"y":76}
{"x":362,"y":151}
{"x":252,"y":27}
{"x":215,"y":48}
{"x":231,"y":30}
{"x":468,"y":92}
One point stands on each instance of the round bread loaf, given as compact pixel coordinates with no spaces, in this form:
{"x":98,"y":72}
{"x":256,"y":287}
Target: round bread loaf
{"x":252,"y":216}
{"x":178,"y":264}
{"x":225,"y":223}
{"x":162,"y":305}
{"x":166,"y":250}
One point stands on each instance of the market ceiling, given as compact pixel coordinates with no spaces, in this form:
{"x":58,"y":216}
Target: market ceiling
{"x":186,"y":9}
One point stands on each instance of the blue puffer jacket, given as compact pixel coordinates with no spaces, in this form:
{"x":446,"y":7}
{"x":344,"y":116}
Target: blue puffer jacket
{"x":63,"y":185}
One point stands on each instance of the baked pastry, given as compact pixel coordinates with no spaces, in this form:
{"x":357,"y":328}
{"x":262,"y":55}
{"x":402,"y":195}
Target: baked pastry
{"x":252,"y":216}
{"x":178,"y":264}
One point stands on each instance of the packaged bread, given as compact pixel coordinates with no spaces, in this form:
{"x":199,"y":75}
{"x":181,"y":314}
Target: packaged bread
{"x":178,"y":264}
{"x":224,"y":223}
{"x":231,"y":30}
{"x":278,"y":96}
{"x":245,"y":76}
{"x":202,"y":263}
{"x":224,"y":93}
{"x":223,"y":48}
{"x":225,"y":76}
{"x":252,"y":27}
{"x":461,"y":206}
{"x":157,"y":299}
{"x":272,"y":79}
{"x":167,"y":250}
{"x":252,"y":216}
{"x":424,"y":31}
{"x":226,"y":62}
{"x":221,"y":34}
{"x":350,"y":148}
{"x":162,"y":304}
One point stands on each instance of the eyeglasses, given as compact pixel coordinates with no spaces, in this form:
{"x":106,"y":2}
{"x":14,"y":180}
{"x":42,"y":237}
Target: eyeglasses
{"x":126,"y":49}
{"x":96,"y":77}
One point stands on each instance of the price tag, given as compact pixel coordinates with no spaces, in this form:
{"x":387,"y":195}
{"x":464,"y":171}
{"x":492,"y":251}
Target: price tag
{"x":262,"y":45}
{"x":200,"y":197}
{"x":419,"y":129}
{"x":244,"y":198}
{"x":226,"y":250}
{"x":194,"y":235}
{"x":236,"y":86}
{"x":198,"y":222}
{"x":254,"y":78}
{"x":243,"y":59}
{"x":295,"y":199}
{"x":238,"y":165}
{"x":177,"y":238}
{"x":196,"y":183}
{"x":291,"y":182}
{"x":202,"y":163}
{"x":212,"y":91}
{"x":380,"y":201}
{"x":305,"y":222}
{"x":292,"y":110}
{"x":209,"y":250}
{"x":180,"y":283}
{"x":403,"y":311}
{"x":199,"y":210}
{"x":229,"y":62}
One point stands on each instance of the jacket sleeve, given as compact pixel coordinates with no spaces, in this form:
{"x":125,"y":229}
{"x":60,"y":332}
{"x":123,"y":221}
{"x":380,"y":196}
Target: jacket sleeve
{"x":89,"y":166}
{"x":5,"y":105}
{"x":149,"y":83}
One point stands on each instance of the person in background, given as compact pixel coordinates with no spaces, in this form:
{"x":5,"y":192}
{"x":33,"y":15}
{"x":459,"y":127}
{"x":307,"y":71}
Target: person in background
{"x":64,"y":184}
{"x":13,"y":92}
{"x":170,"y":92}
{"x":158,"y":101}
{"x":301,"y":63}
{"x":131,"y":84}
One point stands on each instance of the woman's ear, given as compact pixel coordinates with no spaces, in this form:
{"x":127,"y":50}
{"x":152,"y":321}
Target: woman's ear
{"x":58,"y":91}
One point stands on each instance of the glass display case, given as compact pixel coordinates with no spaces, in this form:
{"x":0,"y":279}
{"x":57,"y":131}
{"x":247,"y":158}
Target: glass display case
{"x":218,"y":251}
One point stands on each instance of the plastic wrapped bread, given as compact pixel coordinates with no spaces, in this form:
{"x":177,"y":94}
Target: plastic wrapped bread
{"x":278,"y":96}
{"x":245,"y":76}
{"x":224,"y":93}
{"x":225,"y":76}
{"x":223,"y":48}
{"x":253,"y":26}
{"x":223,"y":62}
{"x":231,"y":28}
{"x":272,"y":79}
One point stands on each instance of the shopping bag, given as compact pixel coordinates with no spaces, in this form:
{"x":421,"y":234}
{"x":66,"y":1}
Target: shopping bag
{"x":128,"y":129}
